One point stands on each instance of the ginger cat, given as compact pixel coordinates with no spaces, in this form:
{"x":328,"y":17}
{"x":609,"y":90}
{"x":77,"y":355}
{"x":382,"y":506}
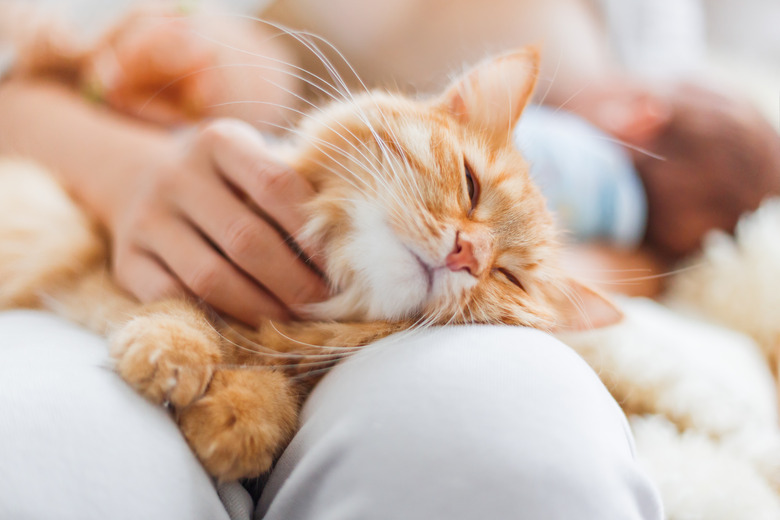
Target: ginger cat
{"x":426,"y":216}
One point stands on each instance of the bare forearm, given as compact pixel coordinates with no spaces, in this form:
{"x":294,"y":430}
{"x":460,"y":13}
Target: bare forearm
{"x":419,"y":42}
{"x":94,"y":152}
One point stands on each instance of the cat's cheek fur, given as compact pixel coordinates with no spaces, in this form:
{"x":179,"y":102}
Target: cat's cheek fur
{"x":387,"y":282}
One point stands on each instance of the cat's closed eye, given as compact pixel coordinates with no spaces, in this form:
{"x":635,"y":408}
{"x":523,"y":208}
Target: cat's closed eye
{"x":512,"y":278}
{"x":472,"y":185}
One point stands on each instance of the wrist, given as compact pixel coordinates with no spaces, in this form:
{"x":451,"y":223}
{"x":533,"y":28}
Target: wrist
{"x":137,"y":156}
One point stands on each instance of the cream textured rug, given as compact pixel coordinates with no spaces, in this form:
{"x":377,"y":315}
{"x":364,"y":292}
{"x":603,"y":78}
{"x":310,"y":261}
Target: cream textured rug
{"x":694,"y":376}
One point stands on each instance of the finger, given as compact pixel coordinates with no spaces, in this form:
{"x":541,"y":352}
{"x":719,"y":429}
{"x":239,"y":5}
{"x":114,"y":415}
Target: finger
{"x":241,"y":154}
{"x":146,"y":278}
{"x":209,"y":276}
{"x":251,"y":243}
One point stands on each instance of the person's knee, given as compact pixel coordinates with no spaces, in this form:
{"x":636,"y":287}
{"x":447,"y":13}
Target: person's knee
{"x":491,"y":420}
{"x":78,"y":442}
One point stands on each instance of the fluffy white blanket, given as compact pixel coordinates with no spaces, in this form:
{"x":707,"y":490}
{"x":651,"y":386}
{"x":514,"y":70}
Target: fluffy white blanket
{"x":694,"y":376}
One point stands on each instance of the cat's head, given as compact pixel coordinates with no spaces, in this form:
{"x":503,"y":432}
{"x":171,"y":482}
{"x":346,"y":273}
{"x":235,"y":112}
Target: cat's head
{"x":425,"y":210}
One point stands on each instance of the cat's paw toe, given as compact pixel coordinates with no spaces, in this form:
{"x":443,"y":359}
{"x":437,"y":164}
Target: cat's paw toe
{"x":165,"y":359}
{"x":242,"y":423}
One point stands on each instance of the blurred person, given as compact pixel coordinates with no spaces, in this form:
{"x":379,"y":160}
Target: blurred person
{"x":636,"y":83}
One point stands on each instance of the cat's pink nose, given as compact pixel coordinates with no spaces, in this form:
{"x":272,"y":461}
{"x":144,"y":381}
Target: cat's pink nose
{"x":462,"y":256}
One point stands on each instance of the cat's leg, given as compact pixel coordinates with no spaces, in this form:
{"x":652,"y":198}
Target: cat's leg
{"x":243,"y":422}
{"x":249,"y":414}
{"x":237,"y":420}
{"x":76,"y":443}
{"x":168,"y":352}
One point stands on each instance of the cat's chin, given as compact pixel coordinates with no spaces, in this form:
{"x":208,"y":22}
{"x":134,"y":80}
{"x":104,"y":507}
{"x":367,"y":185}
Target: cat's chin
{"x":380,"y":290}
{"x":378,"y":277}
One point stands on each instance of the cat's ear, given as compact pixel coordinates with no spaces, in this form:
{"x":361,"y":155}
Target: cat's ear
{"x":582,"y":308}
{"x":492,"y":95}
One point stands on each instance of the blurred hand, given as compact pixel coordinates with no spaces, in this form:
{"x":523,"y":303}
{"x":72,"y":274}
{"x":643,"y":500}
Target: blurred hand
{"x":185,"y":228}
{"x":148,"y":66}
{"x":167,"y":67}
{"x":718,"y":158}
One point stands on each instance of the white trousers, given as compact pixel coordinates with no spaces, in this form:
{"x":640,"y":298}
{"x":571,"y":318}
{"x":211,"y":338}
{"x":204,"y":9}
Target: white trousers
{"x":455,"y":423}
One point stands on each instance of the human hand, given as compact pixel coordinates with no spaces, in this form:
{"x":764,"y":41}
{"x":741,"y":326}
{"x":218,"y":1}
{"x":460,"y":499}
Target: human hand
{"x":185,"y":228}
{"x":711,"y":158}
{"x":168,"y":67}
{"x":147,"y":65}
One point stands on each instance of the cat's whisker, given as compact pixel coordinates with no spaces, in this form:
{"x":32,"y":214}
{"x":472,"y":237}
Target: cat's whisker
{"x":408,"y":201}
{"x":364,"y":117}
{"x":305,"y":39}
{"x":390,"y":169}
{"x":309,"y":374}
{"x":396,"y":337}
{"x":472,"y":321}
{"x":376,"y":174}
{"x":422,"y":323}
{"x":212,"y":68}
{"x":333,"y":90}
{"x":406,"y":167}
{"x":303,"y":343}
{"x":305,"y":75}
{"x":261,"y":350}
{"x":453,"y":317}
{"x":577,"y":302}
{"x":572,"y":96}
{"x":387,"y":192}
{"x":551,"y":81}
{"x":387,"y":152}
{"x":636,"y":279}
{"x":638,"y":149}
{"x":331,"y":69}
{"x":336,"y":76}
{"x":350,"y":180}
{"x":294,"y":94}
{"x":262,"y":368}
{"x":463,"y":319}
{"x":366,"y":166}
{"x":430,"y":320}
{"x":316,"y":141}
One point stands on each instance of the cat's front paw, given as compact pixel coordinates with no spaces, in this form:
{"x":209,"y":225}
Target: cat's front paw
{"x":166,"y":359}
{"x":242,"y":423}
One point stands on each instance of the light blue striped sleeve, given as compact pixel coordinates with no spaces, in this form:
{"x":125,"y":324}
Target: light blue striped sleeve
{"x":589,"y":180}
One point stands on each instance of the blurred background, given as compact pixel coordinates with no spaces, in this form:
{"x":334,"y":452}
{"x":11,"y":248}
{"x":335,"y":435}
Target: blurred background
{"x":729,"y":42}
